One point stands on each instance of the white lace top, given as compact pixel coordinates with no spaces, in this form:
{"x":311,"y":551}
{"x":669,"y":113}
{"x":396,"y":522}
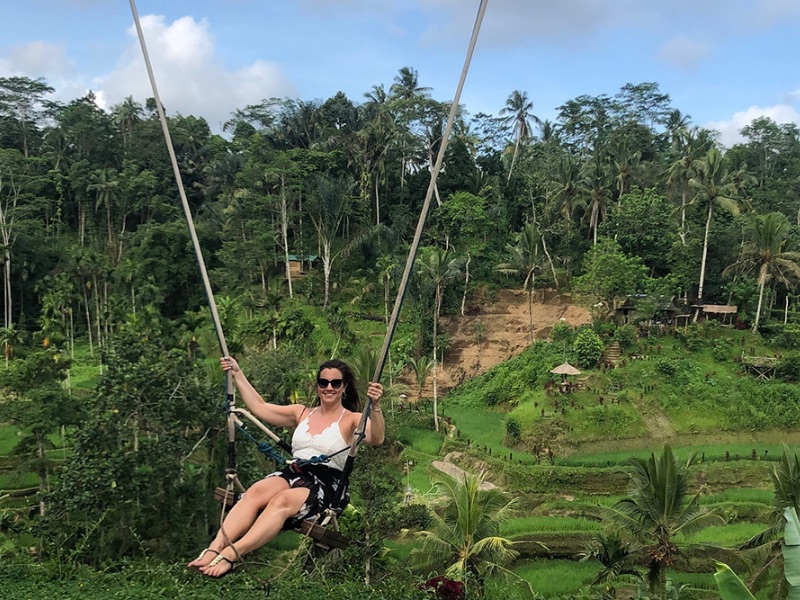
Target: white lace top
{"x":327,"y":441}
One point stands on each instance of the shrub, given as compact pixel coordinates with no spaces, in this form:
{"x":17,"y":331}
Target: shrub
{"x":666,"y":367}
{"x":413,"y":516}
{"x":788,"y":337}
{"x":788,"y":368}
{"x":512,"y":429}
{"x":588,"y":348}
{"x":562,"y":332}
{"x":722,"y":351}
{"x":626,"y":336}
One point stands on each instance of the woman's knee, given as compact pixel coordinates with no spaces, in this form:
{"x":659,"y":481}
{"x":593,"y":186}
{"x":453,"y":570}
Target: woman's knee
{"x":288,"y":502}
{"x":262,"y":492}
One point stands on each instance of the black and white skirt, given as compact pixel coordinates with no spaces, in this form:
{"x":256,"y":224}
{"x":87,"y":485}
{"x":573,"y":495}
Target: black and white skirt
{"x":323,"y":485}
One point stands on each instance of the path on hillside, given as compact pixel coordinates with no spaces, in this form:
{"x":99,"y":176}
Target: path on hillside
{"x":456,"y":472}
{"x":656,"y":421}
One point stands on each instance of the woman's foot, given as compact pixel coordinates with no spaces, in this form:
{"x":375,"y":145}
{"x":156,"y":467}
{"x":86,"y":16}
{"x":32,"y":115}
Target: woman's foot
{"x":206,"y":557}
{"x":221,"y":565}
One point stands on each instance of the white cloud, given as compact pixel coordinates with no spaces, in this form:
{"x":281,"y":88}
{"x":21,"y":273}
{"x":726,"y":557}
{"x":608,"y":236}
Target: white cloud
{"x":189,"y":76}
{"x":767,"y":13}
{"x":40,"y":57}
{"x":683,"y":52}
{"x":729,"y":129}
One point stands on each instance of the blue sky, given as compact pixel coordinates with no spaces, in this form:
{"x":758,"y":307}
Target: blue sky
{"x":723,"y":62}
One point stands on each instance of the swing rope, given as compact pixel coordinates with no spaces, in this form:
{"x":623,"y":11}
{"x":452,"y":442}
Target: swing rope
{"x":384,"y":352}
{"x":232,"y":412}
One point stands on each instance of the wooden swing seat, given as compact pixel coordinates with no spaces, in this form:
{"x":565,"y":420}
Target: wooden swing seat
{"x":324,"y":537}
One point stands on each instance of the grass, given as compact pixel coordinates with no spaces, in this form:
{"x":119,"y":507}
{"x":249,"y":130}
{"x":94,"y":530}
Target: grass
{"x":728,"y":536}
{"x":8,"y":439}
{"x":18,"y":481}
{"x":527,"y":525}
{"x":553,"y":577}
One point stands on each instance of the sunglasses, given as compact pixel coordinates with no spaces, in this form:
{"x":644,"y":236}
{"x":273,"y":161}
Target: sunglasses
{"x":334,"y":383}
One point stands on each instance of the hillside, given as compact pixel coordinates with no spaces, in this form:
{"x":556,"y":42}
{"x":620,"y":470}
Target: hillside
{"x":496,"y":330}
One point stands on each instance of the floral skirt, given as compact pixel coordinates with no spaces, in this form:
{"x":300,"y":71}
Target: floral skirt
{"x":323,"y":485}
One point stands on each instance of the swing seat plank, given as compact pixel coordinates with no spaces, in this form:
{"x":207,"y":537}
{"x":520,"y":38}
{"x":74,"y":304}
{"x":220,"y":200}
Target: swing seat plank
{"x":322,"y":536}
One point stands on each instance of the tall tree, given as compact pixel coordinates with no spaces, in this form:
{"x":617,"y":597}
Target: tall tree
{"x":524,"y":258}
{"x":437,"y":266}
{"x":518,"y":114}
{"x":682,"y":170}
{"x":406,"y":95}
{"x":327,"y":212}
{"x":765,"y":252}
{"x":22,"y":108}
{"x":714,"y":186}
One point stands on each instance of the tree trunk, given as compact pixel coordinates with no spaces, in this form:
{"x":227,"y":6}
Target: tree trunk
{"x":285,"y":233}
{"x":466,"y":283}
{"x":703,"y":260}
{"x":435,"y":358}
{"x":762,"y":279}
{"x":88,"y":319}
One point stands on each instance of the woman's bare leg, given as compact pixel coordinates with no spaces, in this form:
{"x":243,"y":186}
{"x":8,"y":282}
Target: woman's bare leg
{"x":269,"y":523}
{"x":242,"y":516}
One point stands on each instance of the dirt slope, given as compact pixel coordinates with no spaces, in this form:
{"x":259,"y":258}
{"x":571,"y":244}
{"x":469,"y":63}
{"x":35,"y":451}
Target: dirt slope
{"x":496,"y":330}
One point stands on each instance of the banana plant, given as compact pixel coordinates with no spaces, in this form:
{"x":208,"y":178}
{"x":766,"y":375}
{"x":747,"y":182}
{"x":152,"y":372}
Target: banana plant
{"x":732,"y":588}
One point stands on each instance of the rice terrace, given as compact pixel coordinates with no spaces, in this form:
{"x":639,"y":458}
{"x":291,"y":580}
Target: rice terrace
{"x":487,"y":355}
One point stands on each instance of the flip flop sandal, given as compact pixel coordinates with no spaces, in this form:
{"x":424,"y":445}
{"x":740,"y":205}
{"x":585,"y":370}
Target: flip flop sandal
{"x":234,"y":565}
{"x":202,"y":554}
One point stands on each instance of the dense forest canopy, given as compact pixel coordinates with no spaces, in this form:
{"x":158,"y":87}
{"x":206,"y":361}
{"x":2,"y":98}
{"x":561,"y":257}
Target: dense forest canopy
{"x":91,"y":226}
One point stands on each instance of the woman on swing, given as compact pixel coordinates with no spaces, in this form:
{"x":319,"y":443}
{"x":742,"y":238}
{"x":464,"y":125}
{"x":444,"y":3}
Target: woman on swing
{"x":287,"y":497}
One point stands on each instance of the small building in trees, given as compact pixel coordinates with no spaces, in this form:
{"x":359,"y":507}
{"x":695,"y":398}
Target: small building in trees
{"x":300,"y":265}
{"x":722,"y":313}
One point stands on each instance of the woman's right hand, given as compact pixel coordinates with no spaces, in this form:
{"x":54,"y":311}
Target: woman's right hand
{"x":229,"y":363}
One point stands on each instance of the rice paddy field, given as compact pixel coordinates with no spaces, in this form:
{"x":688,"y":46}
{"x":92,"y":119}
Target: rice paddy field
{"x":565,"y":461}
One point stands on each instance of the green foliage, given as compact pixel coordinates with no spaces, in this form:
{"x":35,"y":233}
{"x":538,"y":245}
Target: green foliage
{"x":788,"y":368}
{"x":512,"y":430}
{"x":126,"y":488}
{"x":666,"y":367}
{"x":626,"y":335}
{"x":562,"y":333}
{"x":588,"y":348}
{"x":609,"y":276}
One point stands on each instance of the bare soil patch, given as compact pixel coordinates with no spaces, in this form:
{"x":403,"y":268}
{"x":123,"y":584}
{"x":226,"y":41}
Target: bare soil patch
{"x":496,"y":330}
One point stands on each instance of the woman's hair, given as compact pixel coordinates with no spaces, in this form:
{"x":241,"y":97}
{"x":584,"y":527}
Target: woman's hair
{"x":350,"y":399}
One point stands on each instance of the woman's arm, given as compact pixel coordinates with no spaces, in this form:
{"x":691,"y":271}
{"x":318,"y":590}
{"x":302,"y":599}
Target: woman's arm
{"x":376,"y":427}
{"x":274,"y":414}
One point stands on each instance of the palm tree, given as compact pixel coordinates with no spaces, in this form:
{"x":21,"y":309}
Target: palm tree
{"x":464,"y":538}
{"x":714,"y":186}
{"x":768,"y":544}
{"x":617,"y":558}
{"x":439,"y":267}
{"x":327,"y":214}
{"x":525,"y":258}
{"x":597,"y":182}
{"x":658,"y":510}
{"x":519,"y":116}
{"x":126,"y":114}
{"x":11,"y":337}
{"x":683,"y":170}
{"x":421,"y":368}
{"x":765,"y":252}
{"x":567,"y":189}
{"x":105,"y":184}
{"x":406,"y":94}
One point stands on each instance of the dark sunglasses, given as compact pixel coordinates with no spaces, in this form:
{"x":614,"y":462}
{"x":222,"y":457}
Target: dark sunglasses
{"x":334,"y":383}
